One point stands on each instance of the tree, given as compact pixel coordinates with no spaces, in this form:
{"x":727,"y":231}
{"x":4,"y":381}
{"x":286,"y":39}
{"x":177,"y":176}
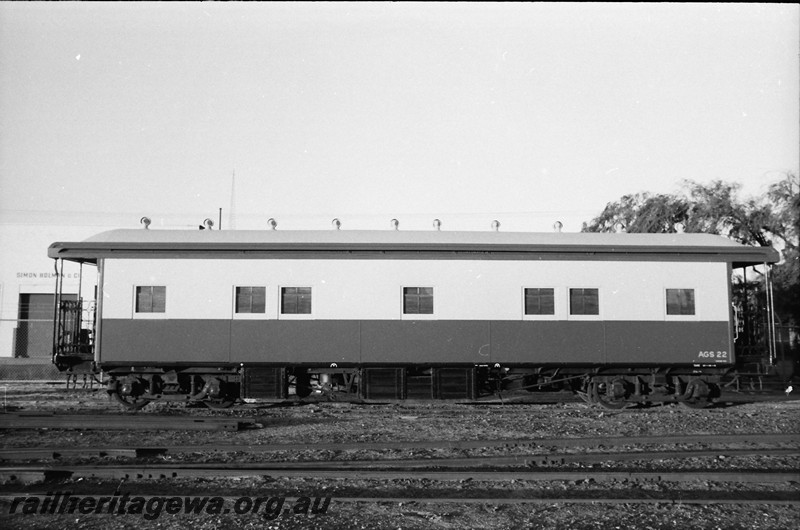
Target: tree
{"x":785,"y":195}
{"x":715,"y":208}
{"x":642,"y":213}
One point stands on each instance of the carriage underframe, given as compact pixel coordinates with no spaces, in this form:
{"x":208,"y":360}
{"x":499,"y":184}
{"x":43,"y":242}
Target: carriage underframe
{"x":607,"y":387}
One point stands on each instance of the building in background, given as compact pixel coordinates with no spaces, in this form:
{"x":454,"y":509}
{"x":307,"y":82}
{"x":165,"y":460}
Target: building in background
{"x":27,"y":285}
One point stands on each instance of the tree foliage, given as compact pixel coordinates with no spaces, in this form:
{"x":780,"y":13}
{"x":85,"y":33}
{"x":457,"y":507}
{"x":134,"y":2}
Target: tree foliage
{"x":716,"y":208}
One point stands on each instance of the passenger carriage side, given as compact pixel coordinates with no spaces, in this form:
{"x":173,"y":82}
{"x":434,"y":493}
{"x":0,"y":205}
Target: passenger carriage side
{"x":357,"y":312}
{"x":463,"y":315}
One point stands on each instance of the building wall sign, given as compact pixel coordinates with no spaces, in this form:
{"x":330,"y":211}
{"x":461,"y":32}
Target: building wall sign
{"x":47,"y":275}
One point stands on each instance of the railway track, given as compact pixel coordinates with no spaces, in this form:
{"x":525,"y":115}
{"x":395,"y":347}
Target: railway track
{"x":59,"y":452}
{"x":516,"y":460}
{"x":421,"y":484}
{"x":490,"y":468}
{"x":678,"y":497}
{"x":44,"y":420}
{"x":407,"y":487}
{"x":400,"y":472}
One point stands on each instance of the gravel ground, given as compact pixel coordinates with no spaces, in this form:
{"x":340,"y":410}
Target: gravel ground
{"x":346,"y":423}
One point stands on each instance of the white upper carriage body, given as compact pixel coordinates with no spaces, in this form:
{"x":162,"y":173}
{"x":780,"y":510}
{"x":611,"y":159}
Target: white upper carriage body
{"x":372,"y":289}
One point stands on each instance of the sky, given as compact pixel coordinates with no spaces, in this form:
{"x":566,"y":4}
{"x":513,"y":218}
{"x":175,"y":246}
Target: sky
{"x":526,"y":113}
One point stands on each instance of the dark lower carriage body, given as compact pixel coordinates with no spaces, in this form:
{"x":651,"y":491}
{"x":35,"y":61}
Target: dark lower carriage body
{"x":611,"y":361}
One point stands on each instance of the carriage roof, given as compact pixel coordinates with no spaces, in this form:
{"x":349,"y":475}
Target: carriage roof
{"x":355,"y":244}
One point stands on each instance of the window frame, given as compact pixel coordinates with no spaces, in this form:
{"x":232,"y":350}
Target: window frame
{"x":665,"y":301}
{"x":540,"y":316}
{"x":417,"y":316}
{"x":249,"y":315}
{"x":583,"y":316}
{"x":295,"y":316}
{"x":147,"y":314}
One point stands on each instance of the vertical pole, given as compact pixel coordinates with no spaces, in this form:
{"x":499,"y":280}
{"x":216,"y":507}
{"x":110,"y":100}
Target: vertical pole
{"x":80,"y":280}
{"x":60,"y":301}
{"x":79,"y":315}
{"x":746,"y":313}
{"x":55,"y":313}
{"x":61,"y":279}
{"x":220,"y":219}
{"x":771,"y":317}
{"x":98,"y":310}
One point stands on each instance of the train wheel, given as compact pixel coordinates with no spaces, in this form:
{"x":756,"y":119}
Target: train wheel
{"x":131,"y":402}
{"x":218,"y":393}
{"x":696,"y":395}
{"x":613,"y":404}
{"x":220,"y":404}
{"x":695,"y":403}
{"x":608,"y":395}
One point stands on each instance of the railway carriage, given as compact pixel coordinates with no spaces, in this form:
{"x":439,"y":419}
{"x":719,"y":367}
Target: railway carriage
{"x":217,"y":316}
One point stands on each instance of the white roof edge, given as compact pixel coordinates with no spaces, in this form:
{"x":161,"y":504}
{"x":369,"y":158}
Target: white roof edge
{"x":378,"y":237}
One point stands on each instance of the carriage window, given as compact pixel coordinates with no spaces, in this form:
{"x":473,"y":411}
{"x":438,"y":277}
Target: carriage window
{"x":296,"y":300}
{"x":539,"y":301}
{"x":151,"y":299}
{"x":418,"y":300}
{"x":680,"y":301}
{"x":251,"y":299}
{"x":584,"y":302}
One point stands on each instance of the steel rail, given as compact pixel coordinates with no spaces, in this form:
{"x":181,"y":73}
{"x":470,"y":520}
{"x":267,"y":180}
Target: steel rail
{"x":121,"y":422}
{"x":674,"y":497}
{"x":659,"y":498}
{"x":482,"y":461}
{"x":524,"y":460}
{"x":19,"y":453}
{"x":134,"y":472}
